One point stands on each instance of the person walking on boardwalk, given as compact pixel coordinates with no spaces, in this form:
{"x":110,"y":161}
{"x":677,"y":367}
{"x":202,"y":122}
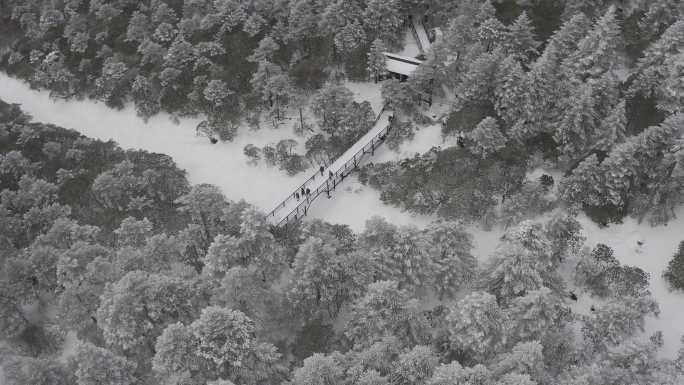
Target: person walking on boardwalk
{"x":321,"y":169}
{"x":303,"y":191}
{"x":308,"y":192}
{"x":297,"y":196}
{"x":330,"y":174}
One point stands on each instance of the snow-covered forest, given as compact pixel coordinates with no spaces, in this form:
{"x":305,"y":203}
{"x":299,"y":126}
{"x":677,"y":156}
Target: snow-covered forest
{"x":521,"y":224}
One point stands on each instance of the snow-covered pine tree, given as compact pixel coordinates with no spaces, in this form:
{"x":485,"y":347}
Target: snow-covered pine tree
{"x":544,"y":80}
{"x":476,"y":327}
{"x":578,"y":122}
{"x":671,"y":92}
{"x":487,"y":138}
{"x":491,"y":33}
{"x":651,"y":68}
{"x":612,"y":129}
{"x":520,"y":40}
{"x":376,"y":60}
{"x":509,"y":91}
{"x":382,"y":19}
{"x":597,"y":52}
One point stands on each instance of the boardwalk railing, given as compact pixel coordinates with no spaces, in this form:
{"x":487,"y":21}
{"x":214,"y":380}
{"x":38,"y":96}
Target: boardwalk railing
{"x":417,"y":38}
{"x":332,"y":181}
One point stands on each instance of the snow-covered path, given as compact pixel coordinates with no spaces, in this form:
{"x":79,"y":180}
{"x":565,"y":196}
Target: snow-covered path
{"x":422,"y":37}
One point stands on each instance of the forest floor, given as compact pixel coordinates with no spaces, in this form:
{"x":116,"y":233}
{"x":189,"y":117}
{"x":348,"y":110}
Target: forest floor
{"x":225,"y":166}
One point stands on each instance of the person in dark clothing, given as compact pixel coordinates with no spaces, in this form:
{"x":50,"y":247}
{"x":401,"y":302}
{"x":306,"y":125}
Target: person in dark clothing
{"x":297,"y":196}
{"x":213,"y":140}
{"x":303,"y":191}
{"x":573,"y":296}
{"x":330,"y":174}
{"x":308,"y":192}
{"x":460,"y":141}
{"x":322,"y":169}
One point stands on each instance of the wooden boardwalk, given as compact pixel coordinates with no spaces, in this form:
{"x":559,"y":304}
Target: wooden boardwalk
{"x":293,"y":209}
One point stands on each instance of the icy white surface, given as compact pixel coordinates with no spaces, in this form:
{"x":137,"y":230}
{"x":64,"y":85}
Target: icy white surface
{"x":410,"y":45}
{"x":399,"y":67}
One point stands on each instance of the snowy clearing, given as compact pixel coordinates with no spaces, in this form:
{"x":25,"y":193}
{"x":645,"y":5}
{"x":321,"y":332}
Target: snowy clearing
{"x":660,"y":243}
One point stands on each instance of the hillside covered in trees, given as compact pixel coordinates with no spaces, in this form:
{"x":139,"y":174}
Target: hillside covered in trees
{"x":145,"y":279}
{"x":599,"y":101}
{"x":114,"y":269}
{"x":592,"y":89}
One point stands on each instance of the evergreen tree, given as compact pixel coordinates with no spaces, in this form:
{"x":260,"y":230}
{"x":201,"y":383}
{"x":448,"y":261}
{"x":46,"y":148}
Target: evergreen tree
{"x":303,"y":20}
{"x":145,"y":96}
{"x":265,"y":51}
{"x":671,"y":93}
{"x":349,"y":38}
{"x":674,"y":273}
{"x":386,"y":310}
{"x":597,"y":51}
{"x":612,"y":129}
{"x":520,"y":40}
{"x":330,"y":105}
{"x":454,"y":373}
{"x":476,"y":326}
{"x":96,"y":365}
{"x":543,"y":83}
{"x":525,"y":359}
{"x":651,"y":69}
{"x":658,"y":16}
{"x":134,"y":311}
{"x":174,"y":349}
{"x":322,"y":283}
{"x":22,"y":370}
{"x":414,"y":367}
{"x":487,"y":138}
{"x":451,"y":249}
{"x":523,"y":262}
{"x":515,"y":379}
{"x":319,"y":370}
{"x":491,"y":33}
{"x":617,"y":320}
{"x":510,"y":90}
{"x":377,"y":60}
{"x":578,"y":124}
{"x":479,"y":81}
{"x":537,"y":315}
{"x":383,"y":20}
{"x":594,"y":270}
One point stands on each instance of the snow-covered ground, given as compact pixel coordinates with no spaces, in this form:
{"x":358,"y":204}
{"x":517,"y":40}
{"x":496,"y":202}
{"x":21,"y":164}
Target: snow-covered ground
{"x":660,"y":243}
{"x":224,"y":165}
{"x":410,"y":45}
